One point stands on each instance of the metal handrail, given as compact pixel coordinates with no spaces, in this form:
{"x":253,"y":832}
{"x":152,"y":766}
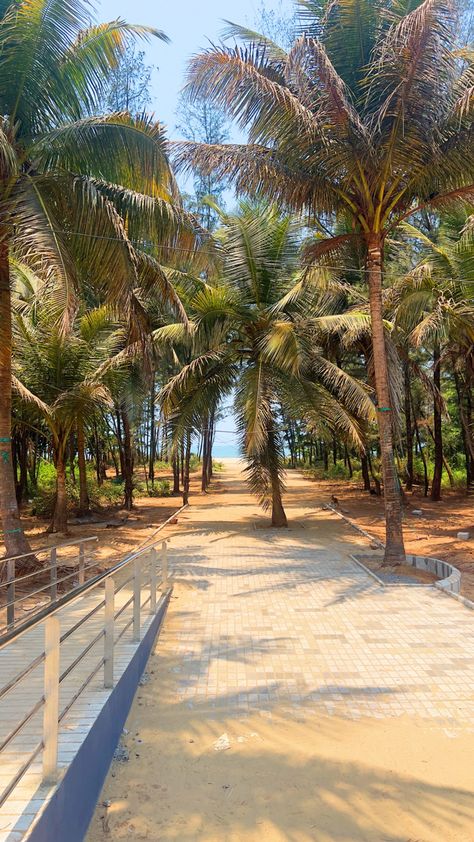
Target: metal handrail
{"x":48,"y":549}
{"x":11,"y":581}
{"x":38,"y":572}
{"x":79,"y":590}
{"x":144,"y":558}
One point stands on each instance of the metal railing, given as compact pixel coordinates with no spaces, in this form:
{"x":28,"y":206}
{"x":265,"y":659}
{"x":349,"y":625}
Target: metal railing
{"x":83,"y":562}
{"x":114,"y":621}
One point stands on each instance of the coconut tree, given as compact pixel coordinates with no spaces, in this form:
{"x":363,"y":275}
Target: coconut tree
{"x":55,"y":374}
{"x":434,"y":309}
{"x":375,"y":129}
{"x":252,"y":338}
{"x":74,"y":188}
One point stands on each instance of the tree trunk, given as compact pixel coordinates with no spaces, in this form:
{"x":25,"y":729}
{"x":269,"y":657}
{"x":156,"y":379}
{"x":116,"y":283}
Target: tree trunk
{"x":325,"y":456}
{"x":84,"y":502}
{"x":408,"y":428}
{"x":348,"y":462}
{"x":152,"y":455}
{"x":205,"y":451}
{"x":186,"y":461}
{"x":423,"y":458}
{"x":466,"y":435}
{"x":22,"y":450}
{"x":120,"y":443}
{"x":364,"y":464}
{"x":437,"y":424}
{"x":176,"y":486}
{"x":128,"y":462}
{"x":13,"y":536}
{"x":59,"y":522}
{"x":394,"y":544}
{"x":279,"y":519}
{"x":72,"y":456}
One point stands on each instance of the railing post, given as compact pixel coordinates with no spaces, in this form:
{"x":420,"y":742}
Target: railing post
{"x":152,"y":581}
{"x":164,"y":563}
{"x":109,"y":632}
{"x":81,"y":563}
{"x":136,"y":600}
{"x":54,"y":574}
{"x":11,"y":593}
{"x":51,"y":699}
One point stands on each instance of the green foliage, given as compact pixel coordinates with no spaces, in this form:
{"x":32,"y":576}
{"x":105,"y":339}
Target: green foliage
{"x":161,"y":488}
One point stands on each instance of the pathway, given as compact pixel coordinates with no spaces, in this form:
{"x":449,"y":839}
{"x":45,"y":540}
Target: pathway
{"x":344,"y":709}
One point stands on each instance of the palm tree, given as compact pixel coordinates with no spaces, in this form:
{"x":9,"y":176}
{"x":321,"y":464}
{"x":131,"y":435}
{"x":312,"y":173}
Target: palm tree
{"x":74,"y":188}
{"x":434,"y":309}
{"x":55,"y":374}
{"x":369,"y":115}
{"x":252,"y":338}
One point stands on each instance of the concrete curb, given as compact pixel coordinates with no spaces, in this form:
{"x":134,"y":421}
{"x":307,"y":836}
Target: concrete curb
{"x":450,"y":583}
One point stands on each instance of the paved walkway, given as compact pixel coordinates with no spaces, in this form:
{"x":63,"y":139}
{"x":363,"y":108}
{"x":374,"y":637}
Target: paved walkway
{"x":291,"y":619}
{"x":283,"y":625}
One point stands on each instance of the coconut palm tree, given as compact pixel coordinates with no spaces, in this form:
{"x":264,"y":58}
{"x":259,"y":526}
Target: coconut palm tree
{"x":252,"y":338}
{"x":434,"y":309}
{"x":74,"y":188}
{"x":369,"y":114}
{"x":55,"y":374}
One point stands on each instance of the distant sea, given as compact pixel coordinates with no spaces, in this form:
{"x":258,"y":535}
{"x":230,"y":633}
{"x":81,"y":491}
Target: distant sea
{"x":225,"y":451}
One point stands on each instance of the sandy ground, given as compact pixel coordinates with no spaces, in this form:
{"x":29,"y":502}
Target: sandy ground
{"x":433,"y":533}
{"x":283,"y":778}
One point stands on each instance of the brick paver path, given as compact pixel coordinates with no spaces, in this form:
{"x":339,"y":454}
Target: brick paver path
{"x":288,"y":618}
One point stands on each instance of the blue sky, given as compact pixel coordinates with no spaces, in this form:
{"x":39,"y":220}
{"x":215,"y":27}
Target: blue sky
{"x":190,"y":25}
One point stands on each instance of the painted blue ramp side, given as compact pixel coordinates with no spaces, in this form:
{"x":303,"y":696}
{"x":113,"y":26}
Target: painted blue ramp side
{"x":67,"y":815}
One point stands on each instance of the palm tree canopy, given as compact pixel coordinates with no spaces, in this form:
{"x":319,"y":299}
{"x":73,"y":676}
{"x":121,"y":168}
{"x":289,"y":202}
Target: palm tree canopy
{"x":251,"y":337}
{"x":378,"y":134}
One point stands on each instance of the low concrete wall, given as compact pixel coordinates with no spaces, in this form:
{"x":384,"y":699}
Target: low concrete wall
{"x":449,"y":576}
{"x":66,"y":816}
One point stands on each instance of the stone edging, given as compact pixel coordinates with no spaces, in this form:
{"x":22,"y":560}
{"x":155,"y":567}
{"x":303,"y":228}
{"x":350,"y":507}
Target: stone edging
{"x":449,"y":584}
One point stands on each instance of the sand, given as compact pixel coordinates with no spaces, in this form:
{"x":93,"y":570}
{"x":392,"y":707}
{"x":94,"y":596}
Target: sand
{"x":400,"y":779}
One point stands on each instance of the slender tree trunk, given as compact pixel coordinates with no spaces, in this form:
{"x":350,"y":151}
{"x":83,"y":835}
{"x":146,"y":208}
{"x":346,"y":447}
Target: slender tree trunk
{"x":13,"y":536}
{"x":364,"y":464}
{"x":84,"y":502}
{"x":279,"y":519}
{"x":151,"y":465}
{"x":348,"y":462}
{"x":176,"y":485}
{"x":72,"y":456}
{"x":22,"y":485}
{"x":120,"y":443}
{"x":205,"y":449}
{"x":466,"y":435}
{"x":394,"y":544}
{"x":59,"y":522}
{"x":421,"y":451}
{"x":185,"y":465}
{"x":376,"y":481}
{"x":437,"y":424}
{"x":128,"y":462}
{"x":325,"y":456}
{"x":183,"y":462}
{"x":408,"y":428}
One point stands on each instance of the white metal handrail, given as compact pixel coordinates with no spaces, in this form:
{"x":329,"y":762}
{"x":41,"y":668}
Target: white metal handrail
{"x":144,"y":577}
{"x":12,"y":581}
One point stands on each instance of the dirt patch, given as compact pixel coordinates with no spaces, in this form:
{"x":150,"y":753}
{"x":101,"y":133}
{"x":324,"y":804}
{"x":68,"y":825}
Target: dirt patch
{"x":433,"y":533}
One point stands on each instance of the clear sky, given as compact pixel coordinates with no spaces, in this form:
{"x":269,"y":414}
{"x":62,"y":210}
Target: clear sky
{"x":190,"y":25}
